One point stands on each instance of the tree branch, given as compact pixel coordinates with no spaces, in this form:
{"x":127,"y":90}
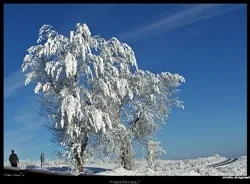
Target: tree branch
{"x":135,"y":121}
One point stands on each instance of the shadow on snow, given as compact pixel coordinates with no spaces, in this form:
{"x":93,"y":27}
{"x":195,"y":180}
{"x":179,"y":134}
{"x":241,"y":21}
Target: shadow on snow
{"x":88,"y":170}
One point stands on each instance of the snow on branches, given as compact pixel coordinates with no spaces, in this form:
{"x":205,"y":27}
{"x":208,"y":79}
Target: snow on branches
{"x":98,"y":88}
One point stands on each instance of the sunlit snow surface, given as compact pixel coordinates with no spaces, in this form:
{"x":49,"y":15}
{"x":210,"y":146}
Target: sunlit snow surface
{"x":188,"y":167}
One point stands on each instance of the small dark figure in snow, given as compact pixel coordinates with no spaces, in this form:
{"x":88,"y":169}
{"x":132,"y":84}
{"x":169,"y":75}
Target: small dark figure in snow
{"x":14,"y":161}
{"x":42,"y":159}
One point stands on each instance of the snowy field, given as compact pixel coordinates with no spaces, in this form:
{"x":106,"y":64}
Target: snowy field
{"x":189,"y":167}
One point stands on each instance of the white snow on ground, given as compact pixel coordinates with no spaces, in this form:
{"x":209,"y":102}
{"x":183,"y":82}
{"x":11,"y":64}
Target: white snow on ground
{"x":189,"y":167}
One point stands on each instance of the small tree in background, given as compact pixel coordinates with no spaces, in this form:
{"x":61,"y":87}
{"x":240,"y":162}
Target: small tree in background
{"x":154,"y":152}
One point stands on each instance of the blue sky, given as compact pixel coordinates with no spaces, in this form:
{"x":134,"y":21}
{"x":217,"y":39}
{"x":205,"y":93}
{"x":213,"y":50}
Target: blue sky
{"x":204,"y":43}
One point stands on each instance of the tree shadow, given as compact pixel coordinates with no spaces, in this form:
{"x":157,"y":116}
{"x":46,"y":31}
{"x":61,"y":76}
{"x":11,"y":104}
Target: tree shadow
{"x":88,"y":170}
{"x":32,"y":167}
{"x":63,"y":169}
{"x":94,"y":170}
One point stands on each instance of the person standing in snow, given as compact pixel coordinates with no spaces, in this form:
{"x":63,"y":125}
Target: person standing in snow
{"x":14,"y":161}
{"x":42,"y":159}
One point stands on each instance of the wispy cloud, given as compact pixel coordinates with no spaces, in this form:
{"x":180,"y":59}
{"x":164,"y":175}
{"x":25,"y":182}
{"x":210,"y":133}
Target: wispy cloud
{"x":12,"y":83}
{"x":25,"y":131}
{"x":179,"y":19}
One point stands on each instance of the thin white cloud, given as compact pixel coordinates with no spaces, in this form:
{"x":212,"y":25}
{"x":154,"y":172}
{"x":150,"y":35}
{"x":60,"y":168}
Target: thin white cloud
{"x":40,"y":146}
{"x":15,"y":138}
{"x":12,"y":83}
{"x":179,"y":19}
{"x":26,"y":128}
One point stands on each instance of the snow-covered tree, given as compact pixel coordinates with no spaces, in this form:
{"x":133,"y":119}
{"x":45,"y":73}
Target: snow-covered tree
{"x":143,"y":110}
{"x":154,"y":152}
{"x":88,"y":85}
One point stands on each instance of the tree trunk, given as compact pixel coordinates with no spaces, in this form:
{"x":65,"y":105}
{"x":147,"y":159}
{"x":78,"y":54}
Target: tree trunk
{"x":78,"y":160}
{"x":127,"y":151}
{"x":79,"y":155}
{"x":150,"y":159}
{"x":126,"y":155}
